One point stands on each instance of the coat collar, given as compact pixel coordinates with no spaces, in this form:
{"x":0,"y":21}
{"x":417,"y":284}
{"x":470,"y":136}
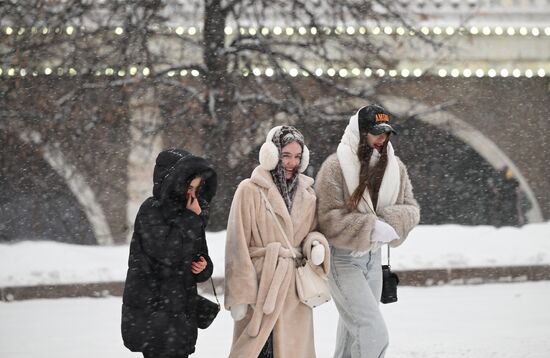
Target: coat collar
{"x":303,"y":199}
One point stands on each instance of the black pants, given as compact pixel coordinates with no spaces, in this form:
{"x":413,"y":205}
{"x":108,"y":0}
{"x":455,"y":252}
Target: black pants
{"x":267,"y":350}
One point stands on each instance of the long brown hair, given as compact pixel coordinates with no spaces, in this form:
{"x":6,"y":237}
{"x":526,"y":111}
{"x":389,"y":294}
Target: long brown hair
{"x":369,"y":178}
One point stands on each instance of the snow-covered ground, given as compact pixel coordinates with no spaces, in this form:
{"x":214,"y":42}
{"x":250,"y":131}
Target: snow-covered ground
{"x":483,"y":321}
{"x":504,"y":320}
{"x":446,"y":246}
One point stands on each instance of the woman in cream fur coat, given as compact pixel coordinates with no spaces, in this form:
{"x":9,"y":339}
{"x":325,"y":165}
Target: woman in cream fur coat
{"x":260,"y":288}
{"x":365,"y":200}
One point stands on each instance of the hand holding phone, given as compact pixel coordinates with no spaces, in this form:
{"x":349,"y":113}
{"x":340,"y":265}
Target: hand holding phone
{"x":193,"y":203}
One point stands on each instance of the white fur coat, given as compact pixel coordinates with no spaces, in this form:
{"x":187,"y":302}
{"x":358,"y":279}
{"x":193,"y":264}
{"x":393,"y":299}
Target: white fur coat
{"x":260,"y":271}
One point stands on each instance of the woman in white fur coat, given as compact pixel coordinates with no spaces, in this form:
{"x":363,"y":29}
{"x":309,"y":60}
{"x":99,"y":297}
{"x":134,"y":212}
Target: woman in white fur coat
{"x":365,"y":200}
{"x":260,"y":288}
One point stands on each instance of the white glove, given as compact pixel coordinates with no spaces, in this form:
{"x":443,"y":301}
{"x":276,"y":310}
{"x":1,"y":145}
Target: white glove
{"x":317,"y":253}
{"x":383,"y":232}
{"x":239,"y":311}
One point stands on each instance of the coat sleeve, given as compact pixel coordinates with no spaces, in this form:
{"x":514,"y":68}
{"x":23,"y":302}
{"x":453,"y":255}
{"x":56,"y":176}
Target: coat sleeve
{"x":207,"y":272}
{"x":342,"y":227}
{"x":205,"y":211}
{"x":402,"y":217}
{"x":162,"y":240}
{"x":241,"y":283}
{"x":324,"y":268}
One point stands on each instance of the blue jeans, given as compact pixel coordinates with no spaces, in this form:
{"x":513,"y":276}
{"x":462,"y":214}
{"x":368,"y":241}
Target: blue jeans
{"x":356,"y":286}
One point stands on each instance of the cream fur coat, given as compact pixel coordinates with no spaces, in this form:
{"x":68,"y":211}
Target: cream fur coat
{"x":352,"y":230}
{"x":260,"y":271}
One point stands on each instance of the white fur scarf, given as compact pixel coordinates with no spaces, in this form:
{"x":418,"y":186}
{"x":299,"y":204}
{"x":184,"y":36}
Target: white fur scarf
{"x":349,"y":162}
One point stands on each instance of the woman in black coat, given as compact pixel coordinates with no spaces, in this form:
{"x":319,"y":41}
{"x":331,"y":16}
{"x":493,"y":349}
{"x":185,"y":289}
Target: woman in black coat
{"x":168,"y":256}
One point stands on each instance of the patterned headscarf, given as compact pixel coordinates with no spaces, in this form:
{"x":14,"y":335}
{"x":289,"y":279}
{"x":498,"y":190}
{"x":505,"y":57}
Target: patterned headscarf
{"x":287,"y":188}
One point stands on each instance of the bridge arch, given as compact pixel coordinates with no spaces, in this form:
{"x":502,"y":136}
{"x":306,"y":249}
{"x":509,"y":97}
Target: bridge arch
{"x":77,"y":184}
{"x":450,"y":123}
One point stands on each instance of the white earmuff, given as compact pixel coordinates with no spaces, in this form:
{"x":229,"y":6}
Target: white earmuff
{"x":269,"y":154}
{"x":305,"y":159}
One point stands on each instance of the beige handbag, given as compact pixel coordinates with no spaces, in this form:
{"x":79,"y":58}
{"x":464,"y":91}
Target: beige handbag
{"x":311,"y":287}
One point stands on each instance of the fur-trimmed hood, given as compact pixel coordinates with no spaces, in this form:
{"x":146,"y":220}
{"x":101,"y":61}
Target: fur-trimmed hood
{"x":173,"y":170}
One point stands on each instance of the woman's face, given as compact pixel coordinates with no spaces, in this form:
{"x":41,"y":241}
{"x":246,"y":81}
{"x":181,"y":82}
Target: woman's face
{"x":376,"y":141}
{"x":193,"y":186}
{"x":291,"y":158}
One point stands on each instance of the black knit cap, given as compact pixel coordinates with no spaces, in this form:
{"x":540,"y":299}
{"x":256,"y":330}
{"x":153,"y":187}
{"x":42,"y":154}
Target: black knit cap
{"x":374,"y":119}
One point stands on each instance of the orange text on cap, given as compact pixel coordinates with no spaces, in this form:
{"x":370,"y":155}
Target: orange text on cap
{"x":382,"y":117}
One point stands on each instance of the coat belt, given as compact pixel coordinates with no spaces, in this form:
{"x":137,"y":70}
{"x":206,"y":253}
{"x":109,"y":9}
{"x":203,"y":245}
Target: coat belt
{"x":278,"y":263}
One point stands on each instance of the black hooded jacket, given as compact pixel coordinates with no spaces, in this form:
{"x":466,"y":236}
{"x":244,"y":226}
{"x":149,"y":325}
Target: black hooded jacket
{"x":158,"y":312}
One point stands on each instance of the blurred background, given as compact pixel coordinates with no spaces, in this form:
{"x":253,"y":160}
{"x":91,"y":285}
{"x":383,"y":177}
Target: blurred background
{"x":91,"y":91}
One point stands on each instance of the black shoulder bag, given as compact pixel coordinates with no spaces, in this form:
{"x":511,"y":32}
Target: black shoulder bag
{"x":206,"y":309}
{"x":390,"y":280}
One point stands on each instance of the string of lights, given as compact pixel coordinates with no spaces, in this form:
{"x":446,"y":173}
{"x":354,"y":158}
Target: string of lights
{"x":309,"y":31}
{"x":293,"y":72}
{"x":488,"y":71}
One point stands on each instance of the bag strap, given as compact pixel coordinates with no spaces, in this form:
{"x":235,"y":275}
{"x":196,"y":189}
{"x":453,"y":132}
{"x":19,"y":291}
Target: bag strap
{"x":374,"y":212}
{"x":214,"y":290}
{"x":270,"y":209}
